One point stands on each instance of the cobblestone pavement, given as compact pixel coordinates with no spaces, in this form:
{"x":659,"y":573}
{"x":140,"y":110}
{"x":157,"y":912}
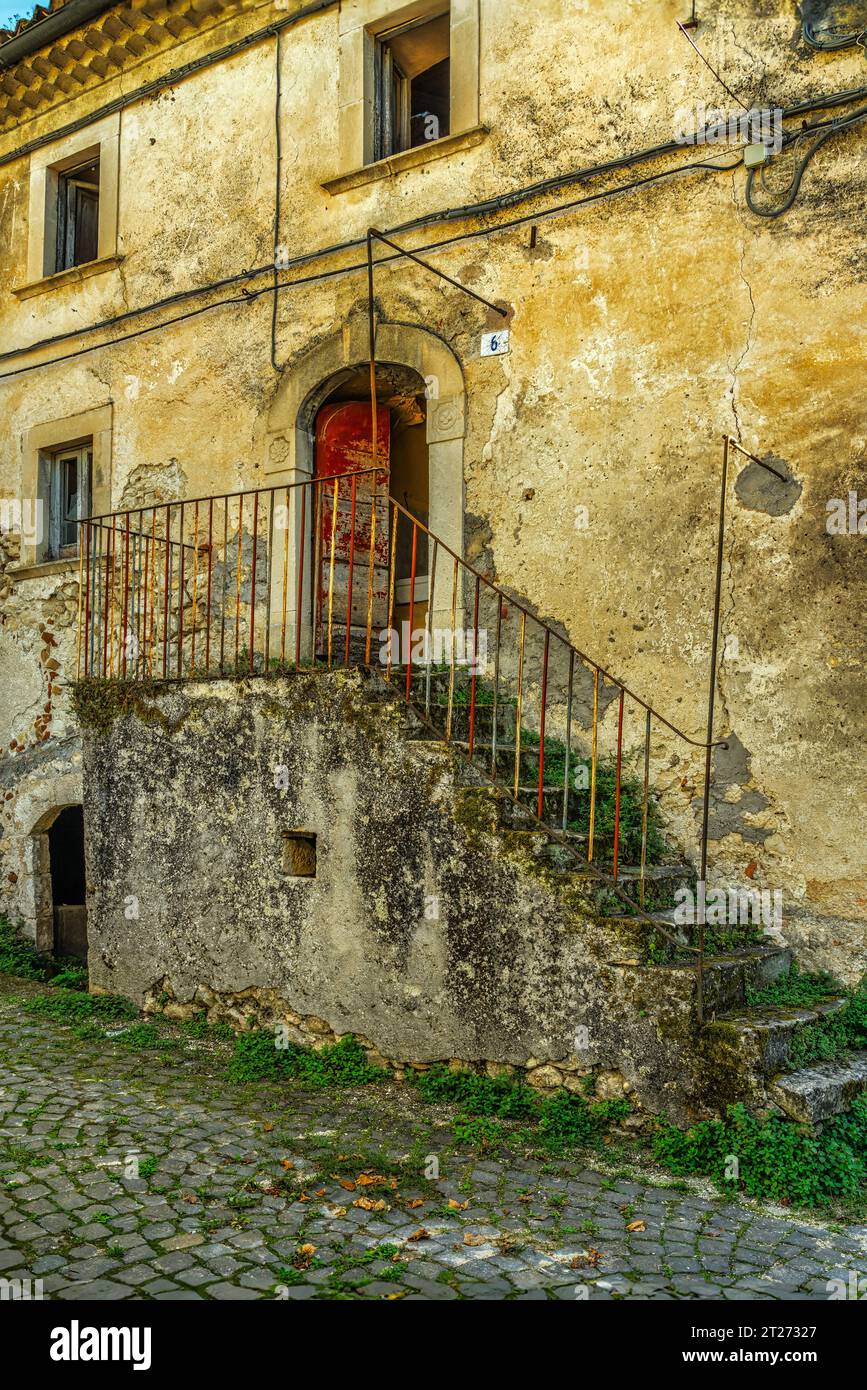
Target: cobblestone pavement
{"x":253,"y":1192}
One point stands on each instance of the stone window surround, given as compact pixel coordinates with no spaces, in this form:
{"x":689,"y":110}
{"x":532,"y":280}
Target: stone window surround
{"x":289,"y":456}
{"x":99,"y":140}
{"x":41,"y":440}
{"x":360,"y":22}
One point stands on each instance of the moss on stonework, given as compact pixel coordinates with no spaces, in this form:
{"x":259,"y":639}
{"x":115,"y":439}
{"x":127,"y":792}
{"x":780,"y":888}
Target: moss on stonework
{"x":98,"y":704}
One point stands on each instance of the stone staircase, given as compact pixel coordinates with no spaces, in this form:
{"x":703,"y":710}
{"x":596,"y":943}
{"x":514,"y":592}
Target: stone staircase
{"x":745,"y":1049}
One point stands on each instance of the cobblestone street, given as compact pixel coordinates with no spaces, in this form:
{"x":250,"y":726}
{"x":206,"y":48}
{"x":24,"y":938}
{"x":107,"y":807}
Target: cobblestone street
{"x":265,"y":1192}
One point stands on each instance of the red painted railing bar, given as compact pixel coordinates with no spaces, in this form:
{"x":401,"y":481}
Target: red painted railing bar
{"x":349,"y":578}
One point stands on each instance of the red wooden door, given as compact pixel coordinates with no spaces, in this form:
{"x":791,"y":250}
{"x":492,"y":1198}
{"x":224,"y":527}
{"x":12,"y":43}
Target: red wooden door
{"x":344,"y":445}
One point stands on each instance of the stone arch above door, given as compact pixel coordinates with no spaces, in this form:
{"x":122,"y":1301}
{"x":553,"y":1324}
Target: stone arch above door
{"x":309,"y":380}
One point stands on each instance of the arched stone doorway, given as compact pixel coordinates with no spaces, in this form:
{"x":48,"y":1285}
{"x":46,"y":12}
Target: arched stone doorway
{"x":59,"y":881}
{"x":419,"y":377}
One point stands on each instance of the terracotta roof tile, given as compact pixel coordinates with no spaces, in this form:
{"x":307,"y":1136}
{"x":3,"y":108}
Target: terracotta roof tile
{"x":39,"y":12}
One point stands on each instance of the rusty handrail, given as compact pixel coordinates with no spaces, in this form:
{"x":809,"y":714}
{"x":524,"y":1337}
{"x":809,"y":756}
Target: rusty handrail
{"x":213,"y":586}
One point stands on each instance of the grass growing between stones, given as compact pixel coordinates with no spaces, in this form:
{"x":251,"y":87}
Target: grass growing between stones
{"x":776,"y":1159}
{"x":257,"y":1057}
{"x":830,"y":1037}
{"x":798,"y":987}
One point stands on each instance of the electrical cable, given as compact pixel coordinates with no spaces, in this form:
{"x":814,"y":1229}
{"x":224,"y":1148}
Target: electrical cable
{"x":830,"y":44}
{"x":279,"y":163}
{"x":791,"y":192}
{"x":250,"y":296}
{"x":443,"y":216}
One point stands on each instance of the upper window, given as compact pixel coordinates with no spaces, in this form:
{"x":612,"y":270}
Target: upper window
{"x":69,"y":479}
{"x":77,"y":216}
{"x":411,"y":99}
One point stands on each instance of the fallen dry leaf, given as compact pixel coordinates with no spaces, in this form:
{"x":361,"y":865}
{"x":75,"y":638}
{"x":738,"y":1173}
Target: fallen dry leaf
{"x":268,"y":1127}
{"x":321,"y":1192}
{"x":470,"y":1238}
{"x":189,"y":1197}
{"x":284,"y":1163}
{"x":368,"y":1204}
{"x":416,"y":1202}
{"x":590,"y":1259}
{"x":348,"y":1184}
{"x":636,"y":1226}
{"x":457,"y":1206}
{"x":420,"y":1234}
{"x":308,"y":1250}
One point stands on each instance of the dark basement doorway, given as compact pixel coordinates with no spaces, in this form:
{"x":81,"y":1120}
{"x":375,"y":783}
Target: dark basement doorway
{"x":66,"y":852}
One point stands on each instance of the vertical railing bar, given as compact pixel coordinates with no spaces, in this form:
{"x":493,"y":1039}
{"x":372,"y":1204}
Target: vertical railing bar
{"x":474,"y":668}
{"x":520,"y":704}
{"x":286,"y":577}
{"x":644,"y":808}
{"x":195,"y":588}
{"x":84,"y":545}
{"x":411,"y":611}
{"x":98,"y":541}
{"x":153,"y":598}
{"x":223,"y":593}
{"x":567,"y":769}
{"x":593,"y":760}
{"x":334,"y":504}
{"x":181,"y":564}
{"x":372,"y":543}
{"x":391,"y":572}
{"x":145,"y":649}
{"x":541,"y":801}
{"x":238,"y":581}
{"x":210,"y":579}
{"x":80,"y":539}
{"x":271,"y":497}
{"x":111,"y":596}
{"x":351,"y":568}
{"x":318,"y":494}
{"x":496,"y":709}
{"x":123,"y":620}
{"x":428,"y":627}
{"x":253,"y":580}
{"x":302,"y":543}
{"x":105,"y":609}
{"x":166,"y":594}
{"x":452,"y":652}
{"x":617,"y":784}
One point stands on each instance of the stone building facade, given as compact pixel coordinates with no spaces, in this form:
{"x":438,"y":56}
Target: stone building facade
{"x":158,"y":160}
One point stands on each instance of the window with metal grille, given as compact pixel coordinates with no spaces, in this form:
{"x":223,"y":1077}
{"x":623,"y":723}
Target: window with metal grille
{"x":412,"y":85}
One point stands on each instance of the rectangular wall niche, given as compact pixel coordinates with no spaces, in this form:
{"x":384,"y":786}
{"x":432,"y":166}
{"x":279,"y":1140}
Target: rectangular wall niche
{"x":299,"y":854}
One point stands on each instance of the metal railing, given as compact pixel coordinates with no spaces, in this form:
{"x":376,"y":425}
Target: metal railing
{"x":333,"y":571}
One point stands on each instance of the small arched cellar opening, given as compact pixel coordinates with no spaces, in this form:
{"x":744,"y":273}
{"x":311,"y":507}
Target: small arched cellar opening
{"x":343,"y":444}
{"x":61,"y":897}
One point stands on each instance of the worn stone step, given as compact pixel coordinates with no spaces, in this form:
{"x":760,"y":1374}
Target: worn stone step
{"x":759,"y":1039}
{"x":814,"y":1094}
